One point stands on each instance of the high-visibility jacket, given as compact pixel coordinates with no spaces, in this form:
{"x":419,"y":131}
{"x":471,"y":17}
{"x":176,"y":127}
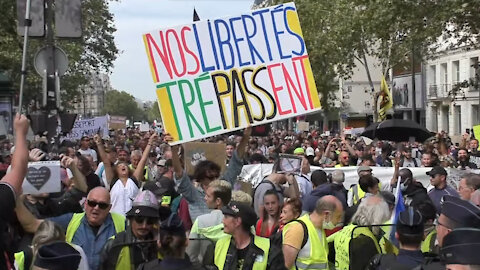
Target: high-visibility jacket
{"x":358,"y":193}
{"x":146,"y":169}
{"x":429,"y":242}
{"x":118,"y":222}
{"x":20,"y":261}
{"x":124,"y":259}
{"x":221,"y":250}
{"x":318,"y":253}
{"x":342,"y":244}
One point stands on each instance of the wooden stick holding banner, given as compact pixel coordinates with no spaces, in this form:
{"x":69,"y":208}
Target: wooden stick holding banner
{"x":211,"y":79}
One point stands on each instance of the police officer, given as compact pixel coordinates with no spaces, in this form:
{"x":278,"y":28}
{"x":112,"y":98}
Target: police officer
{"x":455,"y":213}
{"x":410,"y":228}
{"x":460,"y":249}
{"x":136,"y":244}
{"x":240,"y":249}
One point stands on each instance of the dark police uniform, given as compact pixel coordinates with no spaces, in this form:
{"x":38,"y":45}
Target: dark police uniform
{"x":465,"y":215}
{"x":410,"y":223}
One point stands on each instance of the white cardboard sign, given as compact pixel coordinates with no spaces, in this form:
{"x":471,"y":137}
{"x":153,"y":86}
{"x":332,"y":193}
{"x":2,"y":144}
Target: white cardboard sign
{"x":42,"y":177}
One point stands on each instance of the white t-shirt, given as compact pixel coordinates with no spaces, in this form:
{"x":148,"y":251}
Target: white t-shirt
{"x":123,"y":196}
{"x":89,"y":152}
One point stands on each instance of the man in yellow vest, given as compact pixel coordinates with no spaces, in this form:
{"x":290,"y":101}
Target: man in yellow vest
{"x":137,"y":244}
{"x":356,"y":243}
{"x":328,"y":214}
{"x":356,"y":193}
{"x":135,"y":157}
{"x":240,"y":249}
{"x":90,"y":229}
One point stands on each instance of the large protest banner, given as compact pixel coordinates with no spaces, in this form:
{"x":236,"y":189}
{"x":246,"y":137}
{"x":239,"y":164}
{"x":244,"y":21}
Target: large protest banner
{"x":88,"y":127}
{"x":222,"y":75}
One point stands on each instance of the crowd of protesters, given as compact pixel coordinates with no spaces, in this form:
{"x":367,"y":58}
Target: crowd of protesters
{"x":127,"y":202}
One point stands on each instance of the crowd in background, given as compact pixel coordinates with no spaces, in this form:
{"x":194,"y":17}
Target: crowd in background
{"x":128,"y":203}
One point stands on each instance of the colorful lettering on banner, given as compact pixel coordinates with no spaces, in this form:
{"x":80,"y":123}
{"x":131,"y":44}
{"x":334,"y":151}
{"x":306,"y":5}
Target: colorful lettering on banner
{"x":221,"y":75}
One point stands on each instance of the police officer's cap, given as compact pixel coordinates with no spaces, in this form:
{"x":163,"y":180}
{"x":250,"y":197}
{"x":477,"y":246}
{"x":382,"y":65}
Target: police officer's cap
{"x":410,"y":222}
{"x":463,"y":212}
{"x":461,"y":246}
{"x":173,"y":225}
{"x":144,"y":205}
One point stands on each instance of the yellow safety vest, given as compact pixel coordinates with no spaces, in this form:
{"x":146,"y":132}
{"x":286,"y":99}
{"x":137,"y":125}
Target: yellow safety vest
{"x":118,"y":222}
{"x":20,"y":260}
{"x":318,"y":255}
{"x":342,"y":244}
{"x":123,"y":261}
{"x":222,"y":245}
{"x":429,"y":242}
{"x":358,"y":193}
{"x":147,"y":170}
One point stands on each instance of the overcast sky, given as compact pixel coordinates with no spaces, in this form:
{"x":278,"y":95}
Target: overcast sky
{"x":133,"y":18}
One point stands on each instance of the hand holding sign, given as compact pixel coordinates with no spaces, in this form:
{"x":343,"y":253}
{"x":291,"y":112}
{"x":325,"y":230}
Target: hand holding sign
{"x":36,"y":154}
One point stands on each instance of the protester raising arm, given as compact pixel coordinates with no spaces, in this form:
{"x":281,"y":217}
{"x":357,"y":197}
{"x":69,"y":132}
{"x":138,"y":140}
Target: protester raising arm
{"x":28,"y":221}
{"x":236,"y":162}
{"x":103,"y":155}
{"x":79,"y":180}
{"x":15,"y":177}
{"x":139,"y":173}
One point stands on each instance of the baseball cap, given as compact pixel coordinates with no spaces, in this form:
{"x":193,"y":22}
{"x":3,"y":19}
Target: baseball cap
{"x":241,"y":210}
{"x":144,"y":205}
{"x":57,"y":255}
{"x":310,"y":151}
{"x":437,"y":170}
{"x":298,"y":151}
{"x":463,"y":212}
{"x":461,"y":246}
{"x":363,"y":169}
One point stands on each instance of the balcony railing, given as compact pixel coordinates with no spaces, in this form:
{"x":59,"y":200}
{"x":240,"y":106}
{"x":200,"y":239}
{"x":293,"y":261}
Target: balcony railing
{"x":439,"y":91}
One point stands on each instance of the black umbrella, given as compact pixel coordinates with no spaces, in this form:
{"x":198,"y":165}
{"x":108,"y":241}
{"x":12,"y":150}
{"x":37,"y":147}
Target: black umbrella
{"x":397,"y":130}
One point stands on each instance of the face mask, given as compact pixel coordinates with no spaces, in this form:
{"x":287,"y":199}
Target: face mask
{"x":328,"y":225}
{"x":403,"y":187}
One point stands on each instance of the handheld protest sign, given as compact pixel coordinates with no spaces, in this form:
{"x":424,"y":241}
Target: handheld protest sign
{"x":198,"y":151}
{"x":289,"y":164}
{"x":42,"y":177}
{"x":217,"y":76}
{"x":88,"y":127}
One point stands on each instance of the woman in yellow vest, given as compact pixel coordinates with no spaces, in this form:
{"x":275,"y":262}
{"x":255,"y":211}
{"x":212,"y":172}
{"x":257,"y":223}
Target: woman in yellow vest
{"x":357,"y":243}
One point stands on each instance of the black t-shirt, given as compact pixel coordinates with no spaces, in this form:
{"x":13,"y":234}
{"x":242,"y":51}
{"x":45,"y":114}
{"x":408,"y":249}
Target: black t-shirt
{"x":7,"y":204}
{"x":241,"y":255}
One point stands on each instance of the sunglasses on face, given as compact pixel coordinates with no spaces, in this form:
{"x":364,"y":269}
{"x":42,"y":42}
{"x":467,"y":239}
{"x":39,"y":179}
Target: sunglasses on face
{"x":101,"y":205}
{"x":150,"y":220}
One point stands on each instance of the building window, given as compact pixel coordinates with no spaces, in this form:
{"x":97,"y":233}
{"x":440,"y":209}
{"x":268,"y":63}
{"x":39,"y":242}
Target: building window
{"x":473,"y":70}
{"x":458,"y":119}
{"x":444,"y":77}
{"x":433,"y":74}
{"x":475,"y":118}
{"x":455,"y":72}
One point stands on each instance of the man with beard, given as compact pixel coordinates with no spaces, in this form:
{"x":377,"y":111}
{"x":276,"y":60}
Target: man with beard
{"x":463,"y":160}
{"x":135,"y":245}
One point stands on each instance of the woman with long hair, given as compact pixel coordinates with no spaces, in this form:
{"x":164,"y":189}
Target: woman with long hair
{"x":269,"y":221}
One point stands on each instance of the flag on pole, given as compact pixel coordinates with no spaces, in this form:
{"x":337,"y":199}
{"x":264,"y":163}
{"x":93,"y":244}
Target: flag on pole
{"x":386,"y":101}
{"x":195,"y":16}
{"x":399,"y":207}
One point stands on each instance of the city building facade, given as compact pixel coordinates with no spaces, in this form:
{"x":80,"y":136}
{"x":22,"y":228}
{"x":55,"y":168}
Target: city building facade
{"x":452,"y":98}
{"x":91,"y":100}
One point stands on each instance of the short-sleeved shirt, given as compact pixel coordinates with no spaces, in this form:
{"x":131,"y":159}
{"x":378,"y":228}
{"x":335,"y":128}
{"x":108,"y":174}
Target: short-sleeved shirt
{"x":294,"y":238}
{"x":437,"y":194}
{"x":85,"y":237}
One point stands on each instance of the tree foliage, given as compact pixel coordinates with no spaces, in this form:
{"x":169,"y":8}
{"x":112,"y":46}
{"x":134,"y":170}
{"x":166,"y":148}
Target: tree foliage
{"x":94,"y":51}
{"x":123,"y":104}
{"x":341,"y":33}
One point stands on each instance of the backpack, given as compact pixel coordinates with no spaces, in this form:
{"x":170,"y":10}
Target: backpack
{"x":276,"y":239}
